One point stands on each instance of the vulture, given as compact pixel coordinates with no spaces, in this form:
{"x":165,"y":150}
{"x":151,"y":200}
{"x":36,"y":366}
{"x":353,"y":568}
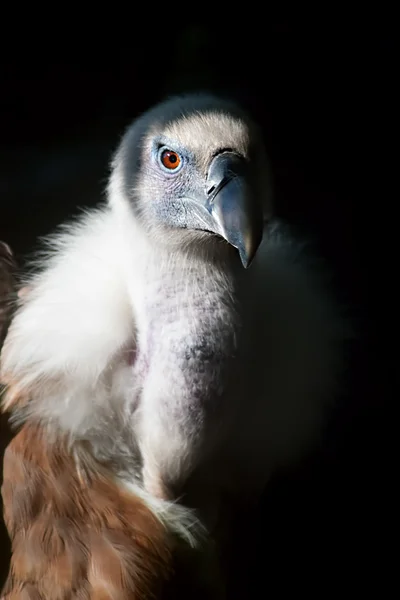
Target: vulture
{"x":175,"y":346}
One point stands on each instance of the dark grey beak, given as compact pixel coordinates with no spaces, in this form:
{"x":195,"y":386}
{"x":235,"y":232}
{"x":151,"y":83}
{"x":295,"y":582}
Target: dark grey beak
{"x":233,"y":205}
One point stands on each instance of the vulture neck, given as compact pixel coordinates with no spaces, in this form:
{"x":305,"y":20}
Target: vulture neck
{"x":192,"y":265}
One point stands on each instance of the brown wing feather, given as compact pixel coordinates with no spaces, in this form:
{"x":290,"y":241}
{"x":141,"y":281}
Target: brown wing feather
{"x":7,"y":291}
{"x":76,"y":536}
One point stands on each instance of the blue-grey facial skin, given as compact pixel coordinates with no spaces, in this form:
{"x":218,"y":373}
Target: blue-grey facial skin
{"x":177,"y":201}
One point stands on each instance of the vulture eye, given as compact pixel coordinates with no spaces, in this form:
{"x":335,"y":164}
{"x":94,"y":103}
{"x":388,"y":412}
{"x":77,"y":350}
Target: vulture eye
{"x":169,"y":159}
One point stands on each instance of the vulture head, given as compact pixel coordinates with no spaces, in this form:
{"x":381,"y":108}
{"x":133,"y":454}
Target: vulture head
{"x":193,"y":171}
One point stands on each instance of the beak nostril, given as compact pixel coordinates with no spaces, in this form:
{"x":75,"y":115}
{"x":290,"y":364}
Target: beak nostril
{"x":210,"y":190}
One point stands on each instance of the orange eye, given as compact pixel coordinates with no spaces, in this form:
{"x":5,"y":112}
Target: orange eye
{"x":170,"y":159}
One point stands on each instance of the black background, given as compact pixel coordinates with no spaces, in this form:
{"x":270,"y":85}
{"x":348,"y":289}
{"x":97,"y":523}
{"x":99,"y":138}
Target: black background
{"x":323,"y":90}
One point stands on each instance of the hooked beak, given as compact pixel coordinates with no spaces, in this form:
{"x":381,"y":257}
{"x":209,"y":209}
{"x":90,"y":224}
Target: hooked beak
{"x":235,"y":211}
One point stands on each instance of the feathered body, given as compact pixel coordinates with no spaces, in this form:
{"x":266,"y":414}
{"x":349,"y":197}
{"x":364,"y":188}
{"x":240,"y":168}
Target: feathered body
{"x":182,"y":373}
